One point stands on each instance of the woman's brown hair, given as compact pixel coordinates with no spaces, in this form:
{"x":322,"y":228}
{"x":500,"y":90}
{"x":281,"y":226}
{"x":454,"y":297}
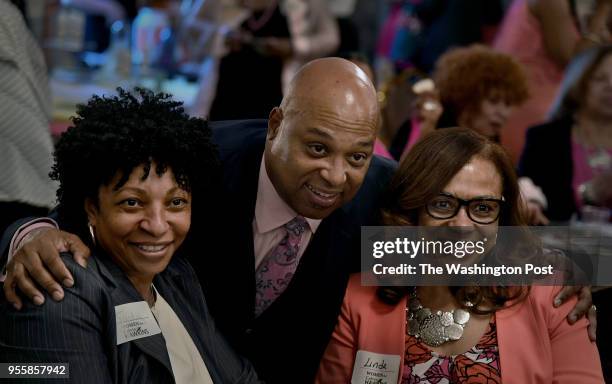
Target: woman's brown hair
{"x":422,"y":175}
{"x":574,"y":85}
{"x":467,"y":76}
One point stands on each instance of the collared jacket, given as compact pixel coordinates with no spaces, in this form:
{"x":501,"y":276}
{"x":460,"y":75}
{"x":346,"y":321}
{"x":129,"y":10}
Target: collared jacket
{"x":81,"y":330}
{"x":536,"y":343}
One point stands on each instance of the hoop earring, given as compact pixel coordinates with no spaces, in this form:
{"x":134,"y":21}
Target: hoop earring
{"x":91,"y":232}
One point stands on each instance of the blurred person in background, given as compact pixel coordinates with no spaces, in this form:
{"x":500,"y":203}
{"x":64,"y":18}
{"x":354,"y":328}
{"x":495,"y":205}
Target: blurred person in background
{"x":266,"y":50}
{"x":25,"y":107}
{"x":410,"y":108}
{"x":544,"y":35}
{"x":100,"y":15}
{"x":577,"y":141}
{"x":202,"y":44}
{"x":349,"y":33}
{"x":479,"y":88}
{"x":416,"y":32}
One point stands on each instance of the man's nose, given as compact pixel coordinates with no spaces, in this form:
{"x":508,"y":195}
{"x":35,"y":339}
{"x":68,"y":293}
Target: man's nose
{"x":335,"y":172}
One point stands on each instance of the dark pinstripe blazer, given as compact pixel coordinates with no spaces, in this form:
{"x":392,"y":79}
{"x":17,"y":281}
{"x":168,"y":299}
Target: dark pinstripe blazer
{"x":81,"y":329}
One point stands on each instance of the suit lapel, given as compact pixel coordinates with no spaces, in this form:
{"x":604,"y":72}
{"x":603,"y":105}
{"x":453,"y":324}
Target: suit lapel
{"x":167,"y":286}
{"x":124,"y":292}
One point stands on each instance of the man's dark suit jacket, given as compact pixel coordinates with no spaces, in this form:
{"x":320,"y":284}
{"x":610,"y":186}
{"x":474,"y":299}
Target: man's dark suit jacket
{"x":286,"y":342}
{"x":81,"y":330}
{"x":547,"y":161}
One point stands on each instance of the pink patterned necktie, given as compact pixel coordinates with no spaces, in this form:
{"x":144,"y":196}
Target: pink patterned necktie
{"x":277,"y":268}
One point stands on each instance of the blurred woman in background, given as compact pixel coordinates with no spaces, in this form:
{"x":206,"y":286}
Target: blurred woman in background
{"x":479,"y":88}
{"x":577,"y":142}
{"x":544,"y":35}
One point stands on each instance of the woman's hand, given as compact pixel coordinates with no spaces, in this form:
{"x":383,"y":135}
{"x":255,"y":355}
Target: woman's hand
{"x":38,"y":263}
{"x":429,"y":112}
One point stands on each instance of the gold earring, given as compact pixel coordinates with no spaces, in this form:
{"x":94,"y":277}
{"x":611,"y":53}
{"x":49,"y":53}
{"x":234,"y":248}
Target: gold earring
{"x":91,"y":232}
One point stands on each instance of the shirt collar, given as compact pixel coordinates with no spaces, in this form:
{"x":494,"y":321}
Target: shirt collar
{"x":271,"y":211}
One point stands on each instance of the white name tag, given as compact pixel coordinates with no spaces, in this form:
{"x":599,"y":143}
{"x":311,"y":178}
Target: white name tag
{"x":135,"y":321}
{"x":375,"y":368}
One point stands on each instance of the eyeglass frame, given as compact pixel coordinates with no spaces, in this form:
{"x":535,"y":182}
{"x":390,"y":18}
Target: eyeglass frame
{"x":466,"y":203}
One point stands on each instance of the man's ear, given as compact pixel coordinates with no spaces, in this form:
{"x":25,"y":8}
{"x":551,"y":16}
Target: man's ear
{"x":92,"y":211}
{"x":274,"y":122}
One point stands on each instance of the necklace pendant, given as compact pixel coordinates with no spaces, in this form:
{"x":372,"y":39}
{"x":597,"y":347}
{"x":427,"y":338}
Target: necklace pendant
{"x":454,"y":331}
{"x":434,"y":328}
{"x":461,"y":316}
{"x":432,"y":331}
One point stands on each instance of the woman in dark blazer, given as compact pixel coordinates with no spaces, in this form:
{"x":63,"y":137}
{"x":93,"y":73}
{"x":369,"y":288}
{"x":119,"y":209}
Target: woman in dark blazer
{"x":133,"y":172}
{"x":570,"y":157}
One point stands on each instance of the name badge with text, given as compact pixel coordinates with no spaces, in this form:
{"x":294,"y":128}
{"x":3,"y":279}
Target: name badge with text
{"x":375,"y":368}
{"x":135,"y":321}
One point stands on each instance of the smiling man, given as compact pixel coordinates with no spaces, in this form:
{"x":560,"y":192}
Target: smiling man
{"x":285,"y":236}
{"x":297,"y":194}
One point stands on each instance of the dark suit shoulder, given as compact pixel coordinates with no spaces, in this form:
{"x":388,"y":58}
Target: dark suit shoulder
{"x":382,"y":168}
{"x":88,"y":298}
{"x":180,"y":267}
{"x":74,"y":330}
{"x":234,"y":136}
{"x":551,"y":132}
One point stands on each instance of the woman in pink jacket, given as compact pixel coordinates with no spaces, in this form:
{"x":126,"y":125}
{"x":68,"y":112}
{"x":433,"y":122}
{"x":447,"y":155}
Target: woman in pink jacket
{"x":443,"y":334}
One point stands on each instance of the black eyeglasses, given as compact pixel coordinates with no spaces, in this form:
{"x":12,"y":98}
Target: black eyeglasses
{"x":479,"y":210}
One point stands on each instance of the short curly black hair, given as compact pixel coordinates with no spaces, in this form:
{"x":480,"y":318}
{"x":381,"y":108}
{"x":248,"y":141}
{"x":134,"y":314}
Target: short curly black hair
{"x":112,"y":135}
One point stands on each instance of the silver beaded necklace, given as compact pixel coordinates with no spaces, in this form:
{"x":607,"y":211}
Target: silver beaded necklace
{"x":435,"y":328}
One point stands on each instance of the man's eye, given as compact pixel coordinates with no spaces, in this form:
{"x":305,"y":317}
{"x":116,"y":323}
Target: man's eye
{"x":317,"y":149}
{"x":359,"y":157}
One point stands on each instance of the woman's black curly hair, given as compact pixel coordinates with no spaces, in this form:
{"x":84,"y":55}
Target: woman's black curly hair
{"x":112,"y":135}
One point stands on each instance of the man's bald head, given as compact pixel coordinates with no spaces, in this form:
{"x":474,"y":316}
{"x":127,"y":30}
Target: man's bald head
{"x":333,"y":84}
{"x":320,"y":141}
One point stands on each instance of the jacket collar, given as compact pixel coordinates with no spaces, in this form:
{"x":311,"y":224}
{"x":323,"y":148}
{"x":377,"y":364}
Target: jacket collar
{"x":122,"y":292}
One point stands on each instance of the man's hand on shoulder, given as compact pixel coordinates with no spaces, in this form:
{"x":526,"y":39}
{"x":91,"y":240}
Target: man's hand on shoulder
{"x":37,"y":263}
{"x":583,"y":307}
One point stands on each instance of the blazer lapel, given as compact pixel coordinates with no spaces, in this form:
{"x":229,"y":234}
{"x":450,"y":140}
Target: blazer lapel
{"x":181,"y":308}
{"x":123,"y":293}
